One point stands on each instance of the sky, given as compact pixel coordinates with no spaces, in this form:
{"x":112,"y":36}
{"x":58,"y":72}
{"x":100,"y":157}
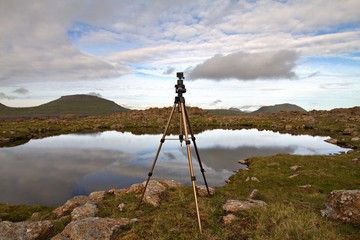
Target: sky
{"x":244,"y":54}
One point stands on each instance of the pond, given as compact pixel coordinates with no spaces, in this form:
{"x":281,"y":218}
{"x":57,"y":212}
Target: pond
{"x":50,"y":171}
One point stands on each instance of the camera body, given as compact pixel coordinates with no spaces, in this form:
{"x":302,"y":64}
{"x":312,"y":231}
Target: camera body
{"x":180,"y":86}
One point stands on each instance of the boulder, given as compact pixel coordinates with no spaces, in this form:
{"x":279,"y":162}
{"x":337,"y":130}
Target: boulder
{"x":153,"y":190}
{"x":254,"y":194}
{"x":25,"y":230}
{"x":331,"y":140}
{"x":99,"y":195}
{"x":343,"y":205}
{"x":84,"y":211}
{"x":235,"y":206}
{"x":94,"y":228}
{"x":70,"y":205}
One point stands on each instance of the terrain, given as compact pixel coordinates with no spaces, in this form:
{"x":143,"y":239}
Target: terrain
{"x":293,"y":211}
{"x":79,"y":105}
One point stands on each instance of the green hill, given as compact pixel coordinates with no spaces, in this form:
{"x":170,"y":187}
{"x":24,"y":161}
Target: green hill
{"x":80,"y":105}
{"x":286,"y":107}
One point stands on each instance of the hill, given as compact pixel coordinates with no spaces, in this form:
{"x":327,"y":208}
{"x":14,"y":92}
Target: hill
{"x":286,"y":107}
{"x":80,"y":105}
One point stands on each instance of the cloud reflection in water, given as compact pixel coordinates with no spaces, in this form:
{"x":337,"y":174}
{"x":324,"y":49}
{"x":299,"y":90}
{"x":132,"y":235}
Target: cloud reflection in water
{"x":51,"y":170}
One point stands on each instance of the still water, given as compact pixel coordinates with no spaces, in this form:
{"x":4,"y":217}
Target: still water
{"x":50,"y":171}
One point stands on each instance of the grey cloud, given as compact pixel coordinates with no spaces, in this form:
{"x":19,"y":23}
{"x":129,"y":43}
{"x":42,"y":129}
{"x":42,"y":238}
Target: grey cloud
{"x":22,"y":91}
{"x":248,"y":66}
{"x":169,"y":71}
{"x":216,"y":102}
{"x":5,"y":96}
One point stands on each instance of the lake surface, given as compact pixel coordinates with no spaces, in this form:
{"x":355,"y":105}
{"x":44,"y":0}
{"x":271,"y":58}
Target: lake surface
{"x":50,"y":171}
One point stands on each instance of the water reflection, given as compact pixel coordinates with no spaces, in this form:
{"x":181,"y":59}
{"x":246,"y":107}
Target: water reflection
{"x":49,"y":171}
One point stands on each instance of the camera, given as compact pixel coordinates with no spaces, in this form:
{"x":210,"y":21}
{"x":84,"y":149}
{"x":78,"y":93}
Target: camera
{"x":180,"y":86}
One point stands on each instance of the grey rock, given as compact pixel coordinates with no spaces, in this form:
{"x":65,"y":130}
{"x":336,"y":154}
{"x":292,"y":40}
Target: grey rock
{"x":202,"y":191}
{"x":343,"y":205}
{"x":84,"y":211}
{"x":25,"y":230}
{"x":254,"y":194}
{"x":235,"y":206}
{"x":70,"y":205}
{"x":93,"y":229}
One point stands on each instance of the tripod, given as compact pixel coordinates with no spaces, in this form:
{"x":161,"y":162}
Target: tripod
{"x":184,"y":125}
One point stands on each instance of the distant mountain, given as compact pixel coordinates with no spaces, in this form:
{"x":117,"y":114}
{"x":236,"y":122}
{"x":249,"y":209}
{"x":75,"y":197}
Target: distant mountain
{"x":226,"y":112}
{"x":80,"y":105}
{"x":286,"y":107}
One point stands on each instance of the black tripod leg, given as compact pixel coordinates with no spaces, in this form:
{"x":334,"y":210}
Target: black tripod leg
{"x":192,"y":175}
{"x":157,"y":154}
{"x":196,"y":150}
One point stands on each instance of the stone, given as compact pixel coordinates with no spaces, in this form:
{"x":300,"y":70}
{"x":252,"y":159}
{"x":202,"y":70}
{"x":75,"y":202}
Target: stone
{"x":121,"y":207}
{"x":202,"y":191}
{"x":306,"y":186}
{"x":331,"y":140}
{"x":254,"y":194}
{"x":235,"y":206}
{"x":153,"y":190}
{"x":229,"y":218}
{"x":99,"y":195}
{"x":171,"y":184}
{"x":25,"y":230}
{"x":343,"y":205}
{"x":84,"y":211}
{"x":243,"y":161}
{"x":295,"y":167}
{"x":348,"y":131}
{"x":355,"y":139}
{"x":94,"y":228}
{"x":70,"y":205}
{"x":294,"y":175}
{"x":288,"y":127}
{"x":254,"y":179}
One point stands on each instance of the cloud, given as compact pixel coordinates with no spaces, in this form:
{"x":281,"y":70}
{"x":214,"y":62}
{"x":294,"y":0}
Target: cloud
{"x":22,"y":91}
{"x":95,"y":94}
{"x":214,"y":103}
{"x":169,"y":71}
{"x":247,"y":66}
{"x":5,"y":96}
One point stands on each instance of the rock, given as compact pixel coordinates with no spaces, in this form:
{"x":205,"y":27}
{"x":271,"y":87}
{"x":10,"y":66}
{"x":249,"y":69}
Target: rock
{"x":121,"y":207}
{"x":348,"y":131}
{"x":355,"y":139}
{"x":171,"y":184}
{"x":254,"y":179}
{"x":294,"y":175}
{"x":99,"y":195}
{"x":254,"y":194}
{"x":229,"y":218}
{"x":202,"y":191}
{"x":305,"y":186}
{"x":235,"y":206}
{"x":288,"y":127}
{"x":118,"y":192}
{"x":331,"y":140}
{"x":84,"y":211}
{"x":94,"y":228}
{"x":70,"y":205}
{"x":243,"y":161}
{"x":343,"y":205}
{"x":25,"y":230}
{"x":295,"y":167}
{"x":117,"y":127}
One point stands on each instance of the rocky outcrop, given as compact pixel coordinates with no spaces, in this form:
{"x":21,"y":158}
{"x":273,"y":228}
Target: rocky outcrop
{"x":94,"y":228}
{"x":154,"y":190}
{"x":84,"y":211}
{"x":70,"y":205}
{"x":343,"y":205}
{"x":25,"y":230}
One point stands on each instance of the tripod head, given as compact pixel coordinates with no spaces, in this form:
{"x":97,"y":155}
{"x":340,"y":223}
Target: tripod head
{"x":180,"y":86}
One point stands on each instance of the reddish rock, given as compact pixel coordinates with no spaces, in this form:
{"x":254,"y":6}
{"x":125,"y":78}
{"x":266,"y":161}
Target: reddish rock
{"x":84,"y":211}
{"x":70,"y":205}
